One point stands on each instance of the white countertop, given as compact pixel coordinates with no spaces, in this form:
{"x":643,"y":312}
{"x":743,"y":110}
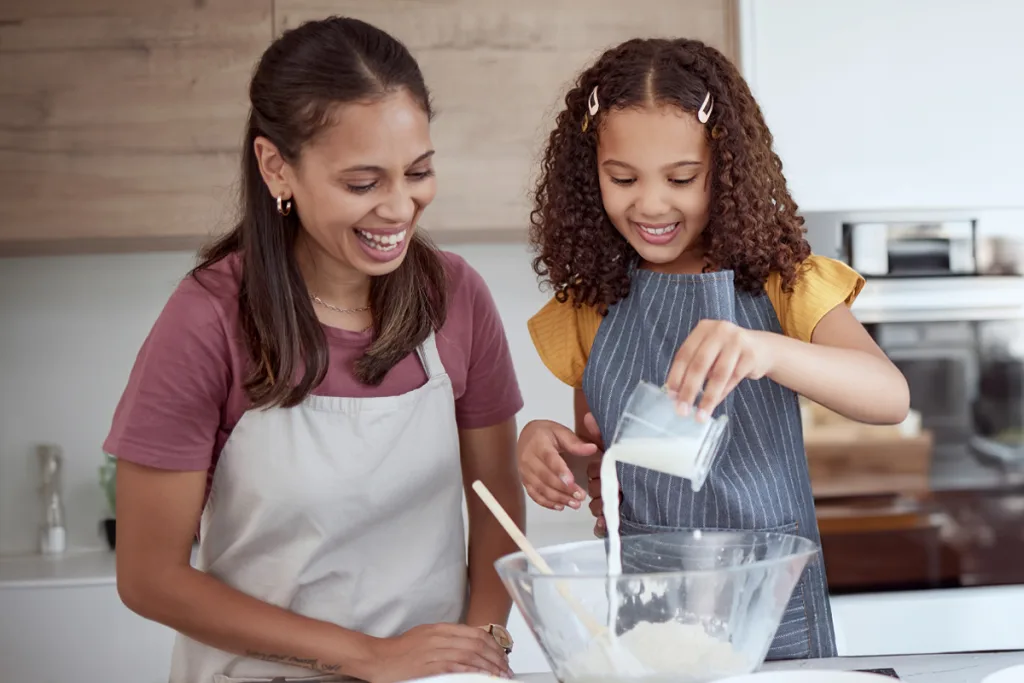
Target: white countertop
{"x":968,"y":667}
{"x":96,"y":566}
{"x":76,"y":567}
{"x":965,"y":667}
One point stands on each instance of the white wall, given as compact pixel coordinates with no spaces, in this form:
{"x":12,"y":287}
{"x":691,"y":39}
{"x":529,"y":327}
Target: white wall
{"x":889,"y":104}
{"x":69,"y":331}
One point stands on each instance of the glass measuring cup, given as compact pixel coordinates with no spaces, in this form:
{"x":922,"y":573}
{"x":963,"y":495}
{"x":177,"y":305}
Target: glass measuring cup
{"x":651,"y":433}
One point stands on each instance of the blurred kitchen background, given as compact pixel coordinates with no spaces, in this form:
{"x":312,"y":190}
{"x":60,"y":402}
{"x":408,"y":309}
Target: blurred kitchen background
{"x":899,"y":126}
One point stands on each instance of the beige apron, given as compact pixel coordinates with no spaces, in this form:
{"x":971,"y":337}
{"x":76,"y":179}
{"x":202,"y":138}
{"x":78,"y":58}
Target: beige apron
{"x":341,"y":509}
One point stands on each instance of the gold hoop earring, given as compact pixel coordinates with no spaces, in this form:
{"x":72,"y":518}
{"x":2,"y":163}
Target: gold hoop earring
{"x":284,"y":206}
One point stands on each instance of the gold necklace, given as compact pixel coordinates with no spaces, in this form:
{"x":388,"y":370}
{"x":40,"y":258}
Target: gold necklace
{"x":323,"y":303}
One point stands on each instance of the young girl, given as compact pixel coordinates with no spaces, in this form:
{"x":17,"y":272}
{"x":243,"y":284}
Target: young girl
{"x":663,"y":222}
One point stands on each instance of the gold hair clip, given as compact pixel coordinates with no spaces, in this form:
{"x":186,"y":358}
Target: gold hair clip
{"x":704,"y":113}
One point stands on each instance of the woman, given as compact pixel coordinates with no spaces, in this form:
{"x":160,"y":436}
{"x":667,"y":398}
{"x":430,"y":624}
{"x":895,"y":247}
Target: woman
{"x":304,"y":397}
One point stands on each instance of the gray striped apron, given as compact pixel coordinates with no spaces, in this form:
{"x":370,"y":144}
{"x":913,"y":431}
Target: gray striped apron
{"x":760,"y":481}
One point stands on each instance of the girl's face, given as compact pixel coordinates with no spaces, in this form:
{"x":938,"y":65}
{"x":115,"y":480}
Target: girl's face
{"x":654,"y":164}
{"x":361,"y":185}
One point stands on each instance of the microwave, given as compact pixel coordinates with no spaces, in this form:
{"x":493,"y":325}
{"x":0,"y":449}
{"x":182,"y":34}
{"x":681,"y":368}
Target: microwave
{"x":911,"y":249}
{"x":922,"y":244}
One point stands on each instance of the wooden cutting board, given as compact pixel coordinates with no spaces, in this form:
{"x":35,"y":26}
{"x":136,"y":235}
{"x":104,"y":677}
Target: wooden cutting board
{"x":846,"y":458}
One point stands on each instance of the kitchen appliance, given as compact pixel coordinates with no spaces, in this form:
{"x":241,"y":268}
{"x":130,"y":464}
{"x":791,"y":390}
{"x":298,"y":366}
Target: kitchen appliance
{"x":945,"y":301}
{"x":911,"y":249}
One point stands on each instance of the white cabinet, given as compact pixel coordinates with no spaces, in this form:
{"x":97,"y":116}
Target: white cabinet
{"x":62,"y":621}
{"x":83,"y":634}
{"x":78,"y":634}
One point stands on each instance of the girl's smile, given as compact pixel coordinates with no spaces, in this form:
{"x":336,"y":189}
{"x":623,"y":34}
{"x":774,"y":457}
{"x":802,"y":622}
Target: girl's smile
{"x":657,"y":233}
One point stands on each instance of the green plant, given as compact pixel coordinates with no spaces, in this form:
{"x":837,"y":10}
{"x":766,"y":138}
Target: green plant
{"x":108,"y":481}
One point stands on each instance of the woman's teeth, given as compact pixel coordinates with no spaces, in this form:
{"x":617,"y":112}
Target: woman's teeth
{"x":382,"y":242}
{"x":654,"y":230}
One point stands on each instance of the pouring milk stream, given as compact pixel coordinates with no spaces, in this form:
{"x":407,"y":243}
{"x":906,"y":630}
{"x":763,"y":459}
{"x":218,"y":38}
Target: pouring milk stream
{"x":651,"y":434}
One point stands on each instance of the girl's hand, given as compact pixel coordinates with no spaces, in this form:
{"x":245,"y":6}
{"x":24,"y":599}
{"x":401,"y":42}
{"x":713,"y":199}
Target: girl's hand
{"x":715,"y":357}
{"x":435,"y":649}
{"x":547,"y":478}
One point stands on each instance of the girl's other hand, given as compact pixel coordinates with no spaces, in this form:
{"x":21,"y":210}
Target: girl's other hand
{"x":546,"y":476}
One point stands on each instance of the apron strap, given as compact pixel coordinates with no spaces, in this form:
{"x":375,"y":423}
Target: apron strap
{"x":429,"y":357}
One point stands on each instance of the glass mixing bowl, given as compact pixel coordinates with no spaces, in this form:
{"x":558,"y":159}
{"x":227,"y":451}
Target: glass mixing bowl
{"x":689,"y":607}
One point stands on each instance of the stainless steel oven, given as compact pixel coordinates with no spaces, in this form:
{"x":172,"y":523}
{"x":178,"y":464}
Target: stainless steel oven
{"x":940,"y":362}
{"x":945,"y":301}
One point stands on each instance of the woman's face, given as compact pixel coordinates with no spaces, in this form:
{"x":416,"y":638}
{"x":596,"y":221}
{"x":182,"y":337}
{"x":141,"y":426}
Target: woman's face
{"x":654,"y":165}
{"x":360,"y":186}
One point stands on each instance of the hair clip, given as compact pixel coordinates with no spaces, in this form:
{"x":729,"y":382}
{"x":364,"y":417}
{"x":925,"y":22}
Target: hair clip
{"x":592,"y":108}
{"x":704,"y":113}
{"x":592,"y":103}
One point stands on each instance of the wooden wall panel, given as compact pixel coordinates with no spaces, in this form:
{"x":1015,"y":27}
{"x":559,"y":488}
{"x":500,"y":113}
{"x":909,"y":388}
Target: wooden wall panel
{"x":122,"y":119}
{"x":498,"y":71}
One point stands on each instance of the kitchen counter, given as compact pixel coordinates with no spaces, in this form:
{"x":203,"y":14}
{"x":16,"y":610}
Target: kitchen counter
{"x":96,"y":566}
{"x":76,"y":567}
{"x":967,"y":667}
{"x":954,"y":468}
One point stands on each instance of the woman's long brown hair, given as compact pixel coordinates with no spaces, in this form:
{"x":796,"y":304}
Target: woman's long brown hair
{"x":304,"y":74}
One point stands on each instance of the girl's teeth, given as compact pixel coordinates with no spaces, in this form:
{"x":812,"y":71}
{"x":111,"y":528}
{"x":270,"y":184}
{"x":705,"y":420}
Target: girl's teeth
{"x":657,"y":231}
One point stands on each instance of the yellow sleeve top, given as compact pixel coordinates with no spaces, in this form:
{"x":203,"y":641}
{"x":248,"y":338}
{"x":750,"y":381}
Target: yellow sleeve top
{"x":563,"y":334}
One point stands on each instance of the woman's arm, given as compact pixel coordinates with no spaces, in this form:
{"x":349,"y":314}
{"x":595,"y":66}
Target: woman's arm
{"x":489,"y":454}
{"x":157,"y":515}
{"x":842,"y":368}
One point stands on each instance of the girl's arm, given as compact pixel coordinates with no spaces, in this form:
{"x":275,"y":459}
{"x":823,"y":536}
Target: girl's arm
{"x":489,"y":454}
{"x":842,"y":368}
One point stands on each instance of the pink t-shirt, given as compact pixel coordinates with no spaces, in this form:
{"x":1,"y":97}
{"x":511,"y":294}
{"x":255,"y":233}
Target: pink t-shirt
{"x":184,"y":394}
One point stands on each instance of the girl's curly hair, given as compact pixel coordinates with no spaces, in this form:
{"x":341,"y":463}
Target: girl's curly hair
{"x":753,"y":229}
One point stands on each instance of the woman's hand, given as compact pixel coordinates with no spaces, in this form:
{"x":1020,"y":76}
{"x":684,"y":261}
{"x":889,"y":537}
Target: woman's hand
{"x":436,"y":649}
{"x":716,"y":356}
{"x":546,"y":476}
